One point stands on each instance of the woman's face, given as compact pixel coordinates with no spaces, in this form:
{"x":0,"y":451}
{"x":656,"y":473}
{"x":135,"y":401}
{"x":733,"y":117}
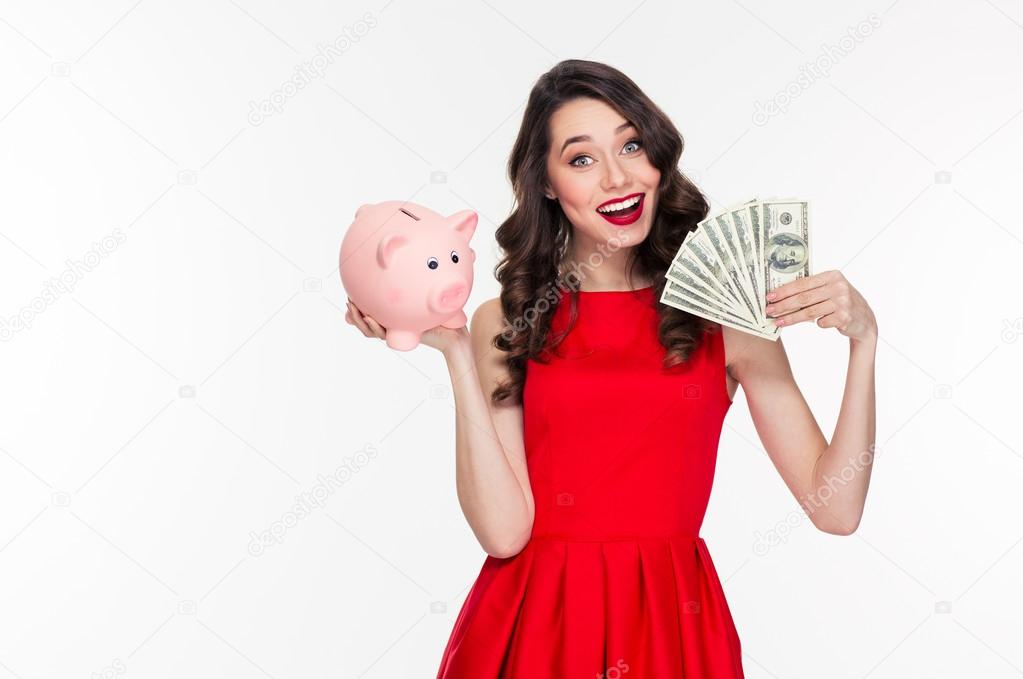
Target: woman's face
{"x":609,"y":165}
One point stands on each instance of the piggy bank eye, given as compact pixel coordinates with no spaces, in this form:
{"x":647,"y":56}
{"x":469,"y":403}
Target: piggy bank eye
{"x":432,"y":263}
{"x":454,"y":257}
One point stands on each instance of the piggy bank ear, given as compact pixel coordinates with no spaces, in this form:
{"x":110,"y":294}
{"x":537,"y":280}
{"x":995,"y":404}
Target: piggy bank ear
{"x":464,"y":223}
{"x":387,"y":247}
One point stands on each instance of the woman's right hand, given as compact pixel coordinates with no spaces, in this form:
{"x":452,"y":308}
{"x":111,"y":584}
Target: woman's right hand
{"x":439,"y":337}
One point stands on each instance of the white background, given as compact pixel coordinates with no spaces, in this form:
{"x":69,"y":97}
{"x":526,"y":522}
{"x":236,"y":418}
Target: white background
{"x":199,"y":375}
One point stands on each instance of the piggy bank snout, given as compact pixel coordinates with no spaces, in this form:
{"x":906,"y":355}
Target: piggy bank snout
{"x":450,"y":297}
{"x":454,"y":295}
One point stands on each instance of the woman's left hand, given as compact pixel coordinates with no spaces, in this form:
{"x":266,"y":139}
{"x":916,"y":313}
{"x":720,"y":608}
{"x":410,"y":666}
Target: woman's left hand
{"x":827,"y":297}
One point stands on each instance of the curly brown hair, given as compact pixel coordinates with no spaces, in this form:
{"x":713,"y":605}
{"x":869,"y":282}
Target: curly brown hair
{"x":535,"y":237}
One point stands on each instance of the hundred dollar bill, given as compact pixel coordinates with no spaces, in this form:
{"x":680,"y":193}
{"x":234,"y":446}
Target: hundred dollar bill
{"x":687,"y":271}
{"x":730,"y":261}
{"x":786,"y":228}
{"x":696,"y":292}
{"x":730,"y":237}
{"x":699,"y":248}
{"x":757,"y":229}
{"x":676,"y":296}
{"x":686,"y":264}
{"x":724,"y":248}
{"x":683,"y":292}
{"x":741,"y":223}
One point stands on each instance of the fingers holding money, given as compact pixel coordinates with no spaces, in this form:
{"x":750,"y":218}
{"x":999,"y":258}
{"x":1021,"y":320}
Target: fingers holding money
{"x":810,"y":313}
{"x":733,"y":263}
{"x":828,"y":298}
{"x":802,"y":284}
{"x":797,"y":295}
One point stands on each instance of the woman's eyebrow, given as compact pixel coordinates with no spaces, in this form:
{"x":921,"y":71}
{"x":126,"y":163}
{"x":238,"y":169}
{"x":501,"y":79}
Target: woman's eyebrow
{"x":586,"y":137}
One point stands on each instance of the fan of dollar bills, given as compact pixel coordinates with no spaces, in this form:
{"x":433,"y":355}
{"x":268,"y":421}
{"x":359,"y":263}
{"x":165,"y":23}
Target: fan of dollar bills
{"x":728,"y":264}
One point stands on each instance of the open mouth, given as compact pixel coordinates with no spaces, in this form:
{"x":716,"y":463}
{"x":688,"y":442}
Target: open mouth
{"x":624,"y":211}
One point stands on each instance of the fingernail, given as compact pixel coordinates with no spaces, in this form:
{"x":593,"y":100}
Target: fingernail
{"x":771,"y":296}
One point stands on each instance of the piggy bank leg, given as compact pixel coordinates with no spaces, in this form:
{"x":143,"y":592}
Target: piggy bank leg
{"x":455,"y":322}
{"x":402,"y":340}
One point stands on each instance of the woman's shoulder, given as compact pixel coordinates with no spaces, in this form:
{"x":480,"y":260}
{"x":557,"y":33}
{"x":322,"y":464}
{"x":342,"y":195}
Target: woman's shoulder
{"x":742,"y":348}
{"x":486,"y":322}
{"x":487,"y":314}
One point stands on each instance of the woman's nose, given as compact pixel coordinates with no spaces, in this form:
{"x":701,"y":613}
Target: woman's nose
{"x":614,"y":175}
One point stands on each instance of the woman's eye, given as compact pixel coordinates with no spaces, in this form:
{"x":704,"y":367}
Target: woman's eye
{"x":635,"y":142}
{"x":632,"y":142}
{"x":454,"y":257}
{"x":432,"y":263}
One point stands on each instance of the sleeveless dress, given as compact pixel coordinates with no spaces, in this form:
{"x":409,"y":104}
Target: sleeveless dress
{"x":615,"y":581}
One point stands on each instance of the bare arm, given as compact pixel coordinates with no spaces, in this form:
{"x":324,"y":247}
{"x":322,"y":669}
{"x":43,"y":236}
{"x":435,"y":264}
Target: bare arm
{"x":830,"y":480}
{"x":842,"y":473}
{"x":490,"y":462}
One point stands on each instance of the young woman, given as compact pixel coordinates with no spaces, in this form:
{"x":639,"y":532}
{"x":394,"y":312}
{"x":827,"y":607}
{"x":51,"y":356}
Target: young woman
{"x":589,"y":414}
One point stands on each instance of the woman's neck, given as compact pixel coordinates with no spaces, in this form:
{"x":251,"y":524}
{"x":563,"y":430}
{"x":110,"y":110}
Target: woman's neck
{"x":592,"y":269}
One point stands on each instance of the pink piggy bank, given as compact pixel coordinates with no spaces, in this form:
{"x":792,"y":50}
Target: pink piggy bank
{"x":409,"y":268}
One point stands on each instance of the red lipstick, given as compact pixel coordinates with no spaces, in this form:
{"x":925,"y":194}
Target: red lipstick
{"x":627,"y":216}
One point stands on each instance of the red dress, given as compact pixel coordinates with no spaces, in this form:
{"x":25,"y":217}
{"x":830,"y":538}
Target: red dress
{"x":615,"y":581}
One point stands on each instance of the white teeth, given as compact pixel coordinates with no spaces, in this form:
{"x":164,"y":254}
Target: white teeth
{"x":620,"y":206}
